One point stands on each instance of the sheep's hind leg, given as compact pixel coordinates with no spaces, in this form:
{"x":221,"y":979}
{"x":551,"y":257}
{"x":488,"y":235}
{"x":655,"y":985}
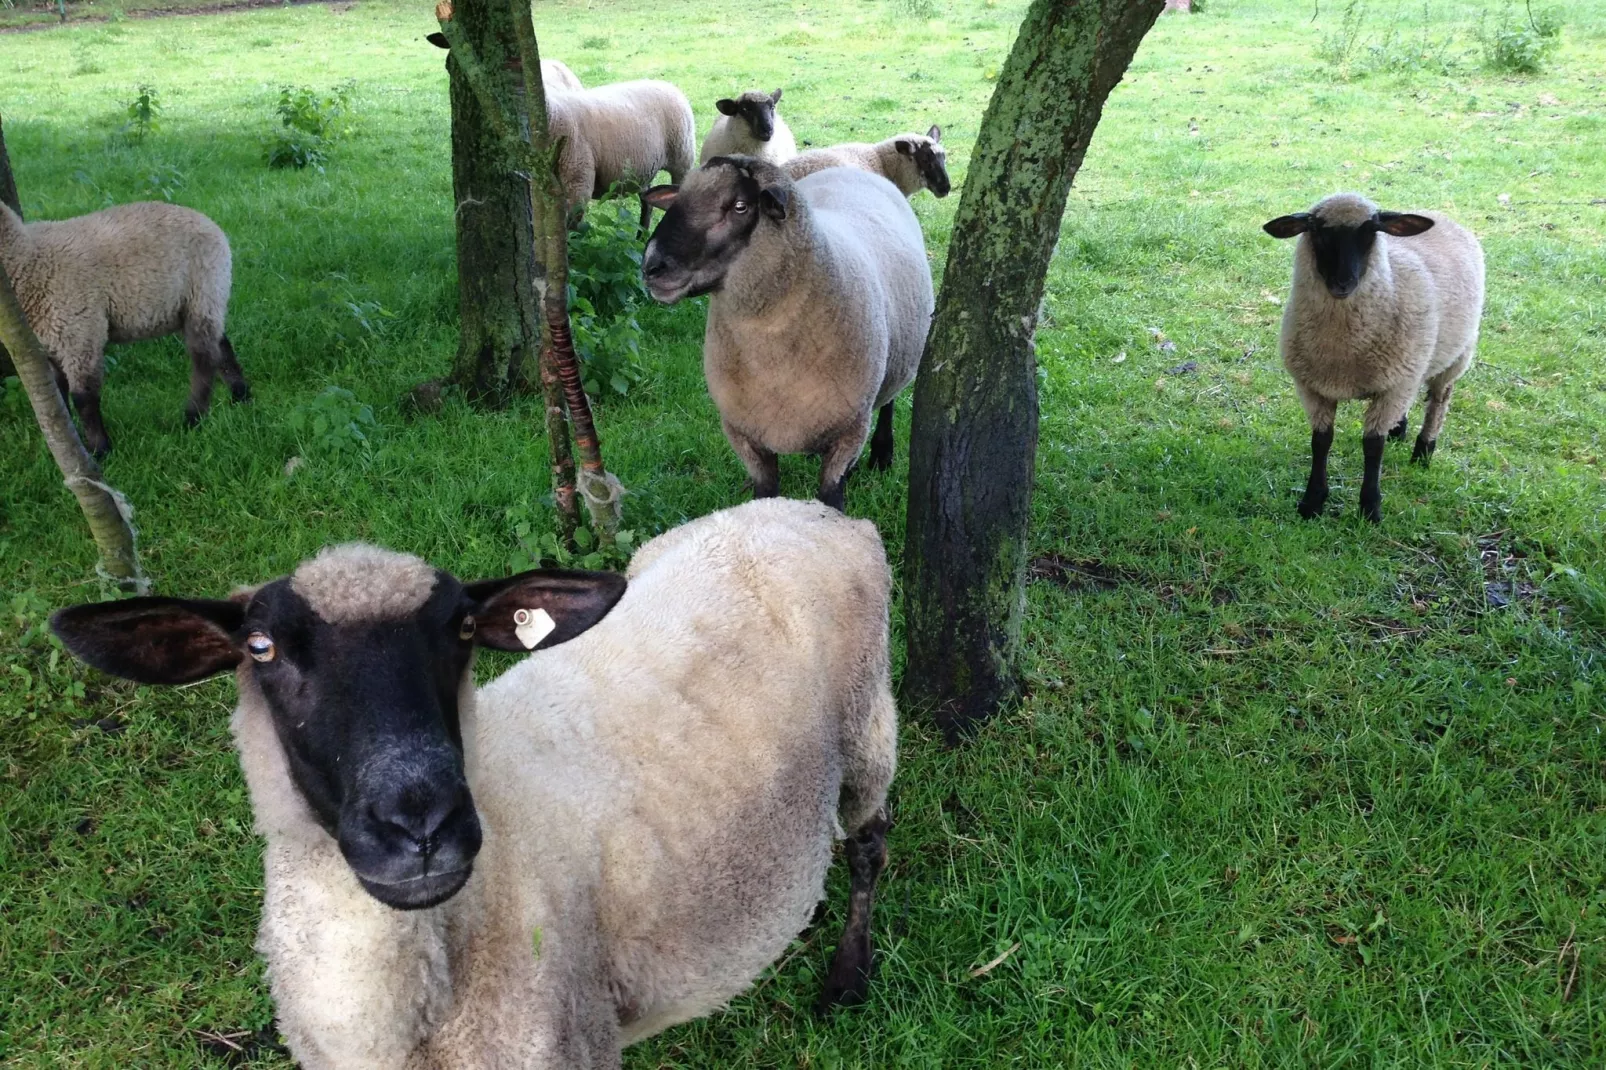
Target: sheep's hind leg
{"x":848,"y":983}
{"x":1397,"y":432}
{"x":86,"y":399}
{"x":881,"y":441}
{"x":1433,"y":419}
{"x":839,"y":460}
{"x":205,"y":356}
{"x":233,"y":374}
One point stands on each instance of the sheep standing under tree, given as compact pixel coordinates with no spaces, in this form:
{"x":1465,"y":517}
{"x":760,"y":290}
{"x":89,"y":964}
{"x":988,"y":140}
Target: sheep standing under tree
{"x":1382,"y":302}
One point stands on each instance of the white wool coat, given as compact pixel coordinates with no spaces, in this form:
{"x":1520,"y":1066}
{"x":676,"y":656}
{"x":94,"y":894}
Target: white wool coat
{"x":658,"y":797}
{"x":625,"y":132}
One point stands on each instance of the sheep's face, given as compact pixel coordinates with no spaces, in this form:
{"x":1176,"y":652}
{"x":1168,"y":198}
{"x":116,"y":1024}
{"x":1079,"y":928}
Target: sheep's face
{"x":1341,"y":236}
{"x":930,"y":158}
{"x":708,"y":222}
{"x":754,"y":108}
{"x":361,"y":658}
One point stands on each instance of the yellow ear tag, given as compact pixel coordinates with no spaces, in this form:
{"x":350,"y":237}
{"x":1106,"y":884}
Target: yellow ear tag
{"x":532,"y":626}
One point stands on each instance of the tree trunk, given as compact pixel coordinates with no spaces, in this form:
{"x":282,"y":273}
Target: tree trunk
{"x":105,"y":510}
{"x":495,"y":232}
{"x":973,"y":443}
{"x":8,"y":196}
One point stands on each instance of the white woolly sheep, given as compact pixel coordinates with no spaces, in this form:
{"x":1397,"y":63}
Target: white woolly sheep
{"x":749,"y":126}
{"x":653,"y":803}
{"x":821,"y":302}
{"x":912,"y":162}
{"x":124,"y":274}
{"x":1374,"y":315}
{"x":556,"y":77}
{"x":621,"y":133}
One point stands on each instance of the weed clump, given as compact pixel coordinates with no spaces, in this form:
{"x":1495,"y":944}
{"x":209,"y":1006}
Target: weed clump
{"x":311,"y":121}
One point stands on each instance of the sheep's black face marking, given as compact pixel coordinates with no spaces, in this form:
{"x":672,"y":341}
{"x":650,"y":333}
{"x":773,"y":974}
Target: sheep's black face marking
{"x":1343,"y":252}
{"x":931,"y":160}
{"x":710,"y":222}
{"x":365,"y":708}
{"x":367,"y":713}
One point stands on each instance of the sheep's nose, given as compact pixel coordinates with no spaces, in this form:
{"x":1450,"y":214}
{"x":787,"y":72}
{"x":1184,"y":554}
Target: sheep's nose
{"x":417,"y":818}
{"x":653,"y":262}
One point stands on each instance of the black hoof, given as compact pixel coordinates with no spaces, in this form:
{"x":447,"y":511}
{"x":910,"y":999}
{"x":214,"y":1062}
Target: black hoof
{"x":849,"y":982}
{"x":1310,"y":508}
{"x":1372,"y":511}
{"x":241,"y":394}
{"x":879,"y":461}
{"x":1422,"y":452}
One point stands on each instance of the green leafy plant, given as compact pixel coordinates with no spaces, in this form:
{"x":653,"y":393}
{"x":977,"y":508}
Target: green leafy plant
{"x":540,"y":547}
{"x":310,"y":122}
{"x":334,"y":422}
{"x":918,"y":9}
{"x":164,"y":180}
{"x":144,"y":114}
{"x":1519,"y":42}
{"x":34,"y":679}
{"x":605,"y":292}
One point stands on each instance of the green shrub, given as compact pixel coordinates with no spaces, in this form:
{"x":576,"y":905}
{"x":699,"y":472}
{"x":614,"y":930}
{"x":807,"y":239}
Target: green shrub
{"x":1520,"y":41}
{"x":144,"y":113}
{"x":310,"y":121}
{"x":334,"y":422}
{"x":605,"y":292}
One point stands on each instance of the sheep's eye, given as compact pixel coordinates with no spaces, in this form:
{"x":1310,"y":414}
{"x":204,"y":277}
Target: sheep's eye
{"x":739,"y":207}
{"x":260,"y":647}
{"x":465,"y":631}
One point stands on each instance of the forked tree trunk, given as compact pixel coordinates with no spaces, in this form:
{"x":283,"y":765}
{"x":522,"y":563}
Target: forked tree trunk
{"x":104,"y":509}
{"x":973,"y":444}
{"x":497,"y":350}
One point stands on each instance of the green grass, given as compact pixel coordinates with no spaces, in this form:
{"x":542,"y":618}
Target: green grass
{"x":1282,"y":793}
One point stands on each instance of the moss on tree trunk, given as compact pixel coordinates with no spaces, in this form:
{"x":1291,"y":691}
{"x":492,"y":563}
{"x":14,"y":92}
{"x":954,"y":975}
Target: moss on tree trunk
{"x":973,"y":445}
{"x":496,"y":251}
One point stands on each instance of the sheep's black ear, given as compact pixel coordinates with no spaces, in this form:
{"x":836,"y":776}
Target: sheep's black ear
{"x":660,"y":197}
{"x":551,"y":606}
{"x":1286,"y":226}
{"x":153,"y":640}
{"x":1402,"y":224}
{"x":726,"y":106}
{"x":438,"y":39}
{"x":905,"y":148}
{"x":774,"y":201}
{"x":775,"y":97}
{"x":935,"y":133}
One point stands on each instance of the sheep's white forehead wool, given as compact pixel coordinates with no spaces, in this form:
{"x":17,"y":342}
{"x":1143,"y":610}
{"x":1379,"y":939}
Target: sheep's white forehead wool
{"x":1345,"y":210}
{"x":361,"y":582}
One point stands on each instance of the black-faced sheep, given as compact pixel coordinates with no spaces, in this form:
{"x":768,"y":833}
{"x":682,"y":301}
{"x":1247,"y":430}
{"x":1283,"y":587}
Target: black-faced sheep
{"x":124,"y":274}
{"x":821,"y":300}
{"x":749,"y":126}
{"x":616,"y":835}
{"x":1382,"y":302}
{"x":912,"y":162}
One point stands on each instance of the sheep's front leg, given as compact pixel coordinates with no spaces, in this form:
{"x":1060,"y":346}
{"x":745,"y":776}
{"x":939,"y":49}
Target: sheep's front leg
{"x":233,"y":374}
{"x":1321,"y":412}
{"x":848,"y":983}
{"x":1385,"y":413}
{"x":881,"y":442}
{"x":839,"y":461}
{"x":763,"y":468}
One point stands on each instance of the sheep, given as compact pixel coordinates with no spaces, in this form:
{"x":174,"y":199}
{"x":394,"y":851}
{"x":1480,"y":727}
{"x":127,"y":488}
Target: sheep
{"x":748,"y":125}
{"x":1371,"y":317}
{"x":622,"y":133}
{"x":124,"y":274}
{"x":556,"y":77}
{"x":912,"y":162}
{"x":821,"y":301}
{"x":616,"y":835}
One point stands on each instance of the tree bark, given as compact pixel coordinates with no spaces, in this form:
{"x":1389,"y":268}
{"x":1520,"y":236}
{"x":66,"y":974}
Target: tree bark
{"x":8,"y":196}
{"x":500,"y":323}
{"x":105,"y":510}
{"x":973,"y":442}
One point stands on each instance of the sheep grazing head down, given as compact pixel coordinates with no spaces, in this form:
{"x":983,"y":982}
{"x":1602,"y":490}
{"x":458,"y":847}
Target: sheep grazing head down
{"x":756,"y":109}
{"x":361,"y":657}
{"x":708,"y":221}
{"x":931,"y":158}
{"x":1342,"y":233}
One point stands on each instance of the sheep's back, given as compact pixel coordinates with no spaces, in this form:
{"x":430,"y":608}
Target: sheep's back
{"x":1452,"y":260}
{"x":633,"y":129}
{"x":870,"y":223}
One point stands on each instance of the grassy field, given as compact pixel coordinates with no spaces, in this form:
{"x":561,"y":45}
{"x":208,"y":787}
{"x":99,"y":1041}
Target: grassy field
{"x":1282,"y":793}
